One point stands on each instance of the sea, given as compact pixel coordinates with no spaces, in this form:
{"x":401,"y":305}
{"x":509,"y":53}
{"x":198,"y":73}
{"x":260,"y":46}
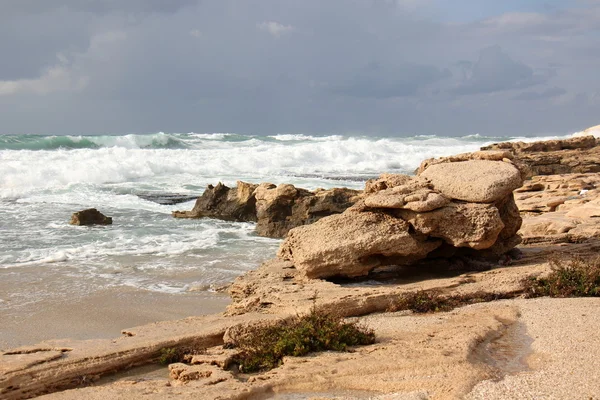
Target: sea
{"x":139,"y":179}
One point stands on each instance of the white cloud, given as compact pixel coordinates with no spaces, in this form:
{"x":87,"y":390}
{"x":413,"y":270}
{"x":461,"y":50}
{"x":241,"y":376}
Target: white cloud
{"x":60,"y":77}
{"x":70,"y":73}
{"x":195,"y":33}
{"x":275,"y":28}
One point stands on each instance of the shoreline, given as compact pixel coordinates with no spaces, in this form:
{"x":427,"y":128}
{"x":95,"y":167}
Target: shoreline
{"x":469,"y":352}
{"x":102,"y":314}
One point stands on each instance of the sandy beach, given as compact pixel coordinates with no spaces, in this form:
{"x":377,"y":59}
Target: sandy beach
{"x":101,"y":314}
{"x":516,"y":349}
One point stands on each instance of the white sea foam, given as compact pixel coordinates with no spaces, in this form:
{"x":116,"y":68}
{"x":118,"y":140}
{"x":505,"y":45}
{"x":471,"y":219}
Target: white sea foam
{"x":25,"y":172}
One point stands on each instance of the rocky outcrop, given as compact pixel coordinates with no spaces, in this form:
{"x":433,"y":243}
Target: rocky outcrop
{"x":91,"y":216}
{"x":281,"y":208}
{"x":575,"y":155}
{"x":560,"y":208}
{"x":450,"y":208}
{"x":223,"y":202}
{"x":275,"y":209}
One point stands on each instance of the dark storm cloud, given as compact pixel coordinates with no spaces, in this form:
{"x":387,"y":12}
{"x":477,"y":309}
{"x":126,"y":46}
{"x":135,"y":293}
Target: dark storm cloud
{"x":541,"y":95}
{"x":12,"y":8}
{"x":495,"y":71}
{"x":33,"y":32}
{"x":382,"y":82}
{"x":267,"y":66}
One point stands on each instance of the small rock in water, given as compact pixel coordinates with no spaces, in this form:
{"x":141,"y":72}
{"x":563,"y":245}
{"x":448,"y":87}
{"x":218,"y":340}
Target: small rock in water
{"x":91,"y":216}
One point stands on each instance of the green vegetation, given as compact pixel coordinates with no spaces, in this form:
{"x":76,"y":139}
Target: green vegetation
{"x":169,"y":355}
{"x":573,"y":277}
{"x":433,"y":301}
{"x":264,"y":347}
{"x":570,"y":277}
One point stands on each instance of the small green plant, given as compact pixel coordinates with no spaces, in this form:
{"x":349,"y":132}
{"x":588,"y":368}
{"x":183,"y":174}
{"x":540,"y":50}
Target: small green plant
{"x":430,"y":301}
{"x":264,"y":347}
{"x":169,"y":355}
{"x":422,"y":302}
{"x":573,"y":277}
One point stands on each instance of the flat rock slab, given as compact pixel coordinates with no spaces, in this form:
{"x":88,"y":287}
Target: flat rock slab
{"x":478,"y":181}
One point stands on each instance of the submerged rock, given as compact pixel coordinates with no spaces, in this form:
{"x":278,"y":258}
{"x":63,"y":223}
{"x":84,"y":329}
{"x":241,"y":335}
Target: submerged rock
{"x":166,"y":199}
{"x":91,"y":216}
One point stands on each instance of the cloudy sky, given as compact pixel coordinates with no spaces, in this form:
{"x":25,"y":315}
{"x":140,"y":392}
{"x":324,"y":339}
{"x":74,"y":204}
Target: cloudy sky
{"x":380,"y":67}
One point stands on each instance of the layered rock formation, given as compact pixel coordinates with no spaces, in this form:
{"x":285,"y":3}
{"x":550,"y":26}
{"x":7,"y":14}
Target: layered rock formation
{"x":559,"y":201}
{"x":449,"y":209}
{"x":575,"y":155}
{"x":560,"y":208}
{"x":91,"y":216}
{"x":275,"y":209}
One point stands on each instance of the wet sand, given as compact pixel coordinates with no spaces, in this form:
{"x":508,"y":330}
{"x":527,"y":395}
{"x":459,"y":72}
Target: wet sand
{"x":100,"y":314}
{"x":564,"y":362}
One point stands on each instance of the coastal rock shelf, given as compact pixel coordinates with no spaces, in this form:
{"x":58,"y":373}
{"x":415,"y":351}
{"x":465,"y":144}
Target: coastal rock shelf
{"x":560,"y":208}
{"x":575,"y":155}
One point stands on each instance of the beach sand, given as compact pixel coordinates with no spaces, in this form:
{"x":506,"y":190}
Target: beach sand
{"x":100,"y":314}
{"x":515,"y":349}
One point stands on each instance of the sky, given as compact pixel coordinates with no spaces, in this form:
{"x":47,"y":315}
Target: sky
{"x":368,"y":67}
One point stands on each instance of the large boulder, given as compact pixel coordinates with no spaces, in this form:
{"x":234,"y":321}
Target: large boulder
{"x":283,"y":207}
{"x":480,"y":181}
{"x":460,"y":224}
{"x":91,"y":216}
{"x":352,"y":244}
{"x":452,"y":208}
